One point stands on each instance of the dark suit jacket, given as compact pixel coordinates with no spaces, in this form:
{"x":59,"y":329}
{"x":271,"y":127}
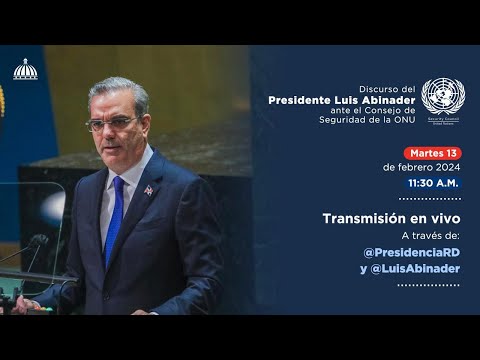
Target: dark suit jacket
{"x":166,"y":257}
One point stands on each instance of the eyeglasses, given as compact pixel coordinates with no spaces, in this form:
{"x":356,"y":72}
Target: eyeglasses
{"x":117,"y":123}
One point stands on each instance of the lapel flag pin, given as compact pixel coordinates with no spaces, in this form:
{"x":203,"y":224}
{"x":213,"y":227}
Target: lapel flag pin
{"x":148,"y":190}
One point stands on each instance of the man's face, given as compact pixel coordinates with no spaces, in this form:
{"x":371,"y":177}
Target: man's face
{"x":120,"y":149}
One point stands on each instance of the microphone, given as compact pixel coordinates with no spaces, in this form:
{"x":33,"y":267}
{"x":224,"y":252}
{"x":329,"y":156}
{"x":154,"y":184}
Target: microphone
{"x":35,"y":240}
{"x":38,"y":239}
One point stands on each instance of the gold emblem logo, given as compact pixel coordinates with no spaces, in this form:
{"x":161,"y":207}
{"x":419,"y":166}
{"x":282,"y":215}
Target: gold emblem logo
{"x":2,"y":103}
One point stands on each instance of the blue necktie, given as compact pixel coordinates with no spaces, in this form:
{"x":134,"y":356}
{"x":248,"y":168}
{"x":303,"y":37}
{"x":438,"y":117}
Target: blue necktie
{"x":116,"y":220}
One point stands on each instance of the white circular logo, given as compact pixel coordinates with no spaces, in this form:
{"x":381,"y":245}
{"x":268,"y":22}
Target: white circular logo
{"x":443,"y":95}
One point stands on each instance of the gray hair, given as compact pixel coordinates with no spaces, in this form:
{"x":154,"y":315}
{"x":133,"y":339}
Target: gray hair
{"x":118,"y":83}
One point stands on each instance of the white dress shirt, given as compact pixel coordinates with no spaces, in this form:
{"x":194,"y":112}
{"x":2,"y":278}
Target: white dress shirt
{"x":131,"y":177}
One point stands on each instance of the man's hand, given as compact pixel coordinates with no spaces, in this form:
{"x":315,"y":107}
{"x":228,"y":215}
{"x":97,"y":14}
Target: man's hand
{"x":141,"y":312}
{"x":22,"y":306}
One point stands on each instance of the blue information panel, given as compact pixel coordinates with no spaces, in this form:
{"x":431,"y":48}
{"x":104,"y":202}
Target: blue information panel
{"x":365,"y":199}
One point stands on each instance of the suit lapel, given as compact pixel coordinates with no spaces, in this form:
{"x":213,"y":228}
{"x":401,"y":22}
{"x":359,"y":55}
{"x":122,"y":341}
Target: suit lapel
{"x":98,"y":196}
{"x":151,"y":179}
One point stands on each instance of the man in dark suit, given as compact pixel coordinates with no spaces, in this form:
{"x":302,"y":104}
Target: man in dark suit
{"x":145,"y":235}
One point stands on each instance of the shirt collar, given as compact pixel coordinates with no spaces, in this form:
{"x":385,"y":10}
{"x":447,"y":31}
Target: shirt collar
{"x":132,"y":176}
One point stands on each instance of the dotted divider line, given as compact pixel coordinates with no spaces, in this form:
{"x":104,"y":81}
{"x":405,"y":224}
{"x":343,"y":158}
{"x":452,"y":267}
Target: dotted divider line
{"x":428,"y":199}
{"x":428,"y":285}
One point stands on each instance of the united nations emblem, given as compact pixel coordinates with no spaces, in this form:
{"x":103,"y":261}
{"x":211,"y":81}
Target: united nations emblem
{"x":443,"y":95}
{"x":2,"y":103}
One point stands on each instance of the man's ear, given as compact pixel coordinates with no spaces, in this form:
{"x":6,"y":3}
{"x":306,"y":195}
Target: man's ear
{"x":146,"y":124}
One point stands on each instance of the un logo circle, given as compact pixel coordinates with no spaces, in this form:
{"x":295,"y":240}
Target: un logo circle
{"x":443,"y":95}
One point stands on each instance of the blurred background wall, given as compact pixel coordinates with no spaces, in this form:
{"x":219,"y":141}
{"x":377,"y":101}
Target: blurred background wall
{"x":189,"y":86}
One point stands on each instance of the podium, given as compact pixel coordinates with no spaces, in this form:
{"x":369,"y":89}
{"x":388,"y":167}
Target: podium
{"x":31,"y":215}
{"x":8,"y":302}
